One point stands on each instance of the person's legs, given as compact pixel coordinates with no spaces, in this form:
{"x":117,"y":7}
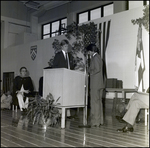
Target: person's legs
{"x":101,"y":108}
{"x":26,"y":103}
{"x":137,"y":102}
{"x":20,"y":101}
{"x":131,"y":114}
{"x":95,"y":107}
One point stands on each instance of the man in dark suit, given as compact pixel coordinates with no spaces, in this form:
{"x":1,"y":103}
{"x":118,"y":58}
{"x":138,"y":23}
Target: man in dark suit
{"x":64,"y":59}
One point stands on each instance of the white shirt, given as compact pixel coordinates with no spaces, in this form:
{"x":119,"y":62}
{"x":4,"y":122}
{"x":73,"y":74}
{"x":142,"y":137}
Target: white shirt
{"x":64,"y":53}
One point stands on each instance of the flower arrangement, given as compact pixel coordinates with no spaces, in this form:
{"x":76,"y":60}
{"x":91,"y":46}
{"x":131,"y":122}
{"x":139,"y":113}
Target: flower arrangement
{"x":43,"y":112}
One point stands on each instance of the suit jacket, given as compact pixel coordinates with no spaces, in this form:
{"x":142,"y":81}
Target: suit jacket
{"x":96,"y":72}
{"x":61,"y":62}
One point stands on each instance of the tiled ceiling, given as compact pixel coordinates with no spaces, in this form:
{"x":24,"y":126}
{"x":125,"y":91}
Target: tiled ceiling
{"x":36,"y":5}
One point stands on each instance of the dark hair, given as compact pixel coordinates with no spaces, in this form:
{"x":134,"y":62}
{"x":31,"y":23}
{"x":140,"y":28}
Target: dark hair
{"x":92,"y":47}
{"x":63,"y":42}
{"x":23,"y":68}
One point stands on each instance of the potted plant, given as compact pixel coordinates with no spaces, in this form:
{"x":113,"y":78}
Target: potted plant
{"x":43,"y":112}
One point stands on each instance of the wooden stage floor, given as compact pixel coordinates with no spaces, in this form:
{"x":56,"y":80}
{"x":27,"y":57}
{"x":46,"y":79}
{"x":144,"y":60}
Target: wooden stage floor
{"x":16,"y":132}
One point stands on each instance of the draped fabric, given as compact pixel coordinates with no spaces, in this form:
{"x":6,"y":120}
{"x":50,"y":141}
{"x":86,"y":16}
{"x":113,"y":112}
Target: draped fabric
{"x":139,"y":62}
{"x":103,"y":37}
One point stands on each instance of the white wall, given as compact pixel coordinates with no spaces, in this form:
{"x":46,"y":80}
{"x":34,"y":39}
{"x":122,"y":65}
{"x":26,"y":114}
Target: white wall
{"x":120,"y":52}
{"x":13,"y":58}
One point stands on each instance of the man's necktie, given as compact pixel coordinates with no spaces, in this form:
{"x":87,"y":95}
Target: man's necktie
{"x":67,"y":59}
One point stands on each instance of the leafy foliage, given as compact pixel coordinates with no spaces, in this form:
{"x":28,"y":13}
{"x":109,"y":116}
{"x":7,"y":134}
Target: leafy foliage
{"x":56,"y":45}
{"x":84,"y":35}
{"x":43,"y":111}
{"x":144,"y":20}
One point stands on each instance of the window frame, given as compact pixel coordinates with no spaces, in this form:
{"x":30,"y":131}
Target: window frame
{"x":89,"y":10}
{"x":50,"y":34}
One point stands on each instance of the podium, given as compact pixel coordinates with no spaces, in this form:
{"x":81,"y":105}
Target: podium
{"x":69,"y":85}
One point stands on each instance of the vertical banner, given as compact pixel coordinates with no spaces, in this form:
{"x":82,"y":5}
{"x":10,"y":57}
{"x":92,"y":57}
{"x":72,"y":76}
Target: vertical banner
{"x":33,"y":52}
{"x":103,"y":41}
{"x":139,"y":62}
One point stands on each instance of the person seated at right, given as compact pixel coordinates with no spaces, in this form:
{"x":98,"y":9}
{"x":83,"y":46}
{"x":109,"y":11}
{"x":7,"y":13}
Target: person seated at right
{"x":138,"y":100}
{"x":22,"y":89}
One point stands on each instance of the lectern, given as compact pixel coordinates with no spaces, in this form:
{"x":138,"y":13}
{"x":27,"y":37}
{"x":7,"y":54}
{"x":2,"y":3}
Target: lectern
{"x":67,"y":84}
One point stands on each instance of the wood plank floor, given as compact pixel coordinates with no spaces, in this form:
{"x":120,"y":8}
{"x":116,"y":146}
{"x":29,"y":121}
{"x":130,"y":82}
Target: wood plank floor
{"x":16,"y":132}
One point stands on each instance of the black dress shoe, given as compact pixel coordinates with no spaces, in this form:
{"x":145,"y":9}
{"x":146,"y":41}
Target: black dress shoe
{"x":22,"y":112}
{"x":119,"y":118}
{"x":126,"y":129}
{"x":25,"y":110}
{"x":70,"y":117}
{"x":94,"y":125}
{"x":102,"y":124}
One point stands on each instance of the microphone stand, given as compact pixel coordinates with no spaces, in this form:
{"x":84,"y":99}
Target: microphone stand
{"x":85,"y":125}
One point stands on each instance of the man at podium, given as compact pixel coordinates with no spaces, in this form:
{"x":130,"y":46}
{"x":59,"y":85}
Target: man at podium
{"x":64,"y":59}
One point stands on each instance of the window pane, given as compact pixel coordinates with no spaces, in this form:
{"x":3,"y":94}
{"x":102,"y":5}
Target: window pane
{"x":54,"y":34}
{"x":64,"y":23}
{"x":46,"y":29}
{"x":108,"y":10}
{"x":135,"y":4}
{"x":95,"y":14}
{"x":46,"y":36}
{"x":55,"y":26}
{"x":83,"y":17}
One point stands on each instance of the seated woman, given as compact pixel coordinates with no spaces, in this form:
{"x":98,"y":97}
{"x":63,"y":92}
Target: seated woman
{"x":22,"y":89}
{"x":6,"y":100}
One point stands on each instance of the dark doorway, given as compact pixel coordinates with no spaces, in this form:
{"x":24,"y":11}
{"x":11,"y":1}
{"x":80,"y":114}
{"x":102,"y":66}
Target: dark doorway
{"x":8,"y":78}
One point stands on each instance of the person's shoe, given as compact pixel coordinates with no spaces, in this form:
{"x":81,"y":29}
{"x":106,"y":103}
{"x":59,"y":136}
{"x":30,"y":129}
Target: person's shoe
{"x":102,"y":124}
{"x":70,"y":117}
{"x":119,"y":118}
{"x":25,"y":110}
{"x":22,"y":112}
{"x":94,"y":125}
{"x":126,"y":129}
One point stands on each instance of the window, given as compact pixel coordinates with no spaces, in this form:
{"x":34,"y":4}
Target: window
{"x":135,"y":4}
{"x":83,"y":17}
{"x":95,"y":13}
{"x":54,"y":28}
{"x":108,"y":10}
